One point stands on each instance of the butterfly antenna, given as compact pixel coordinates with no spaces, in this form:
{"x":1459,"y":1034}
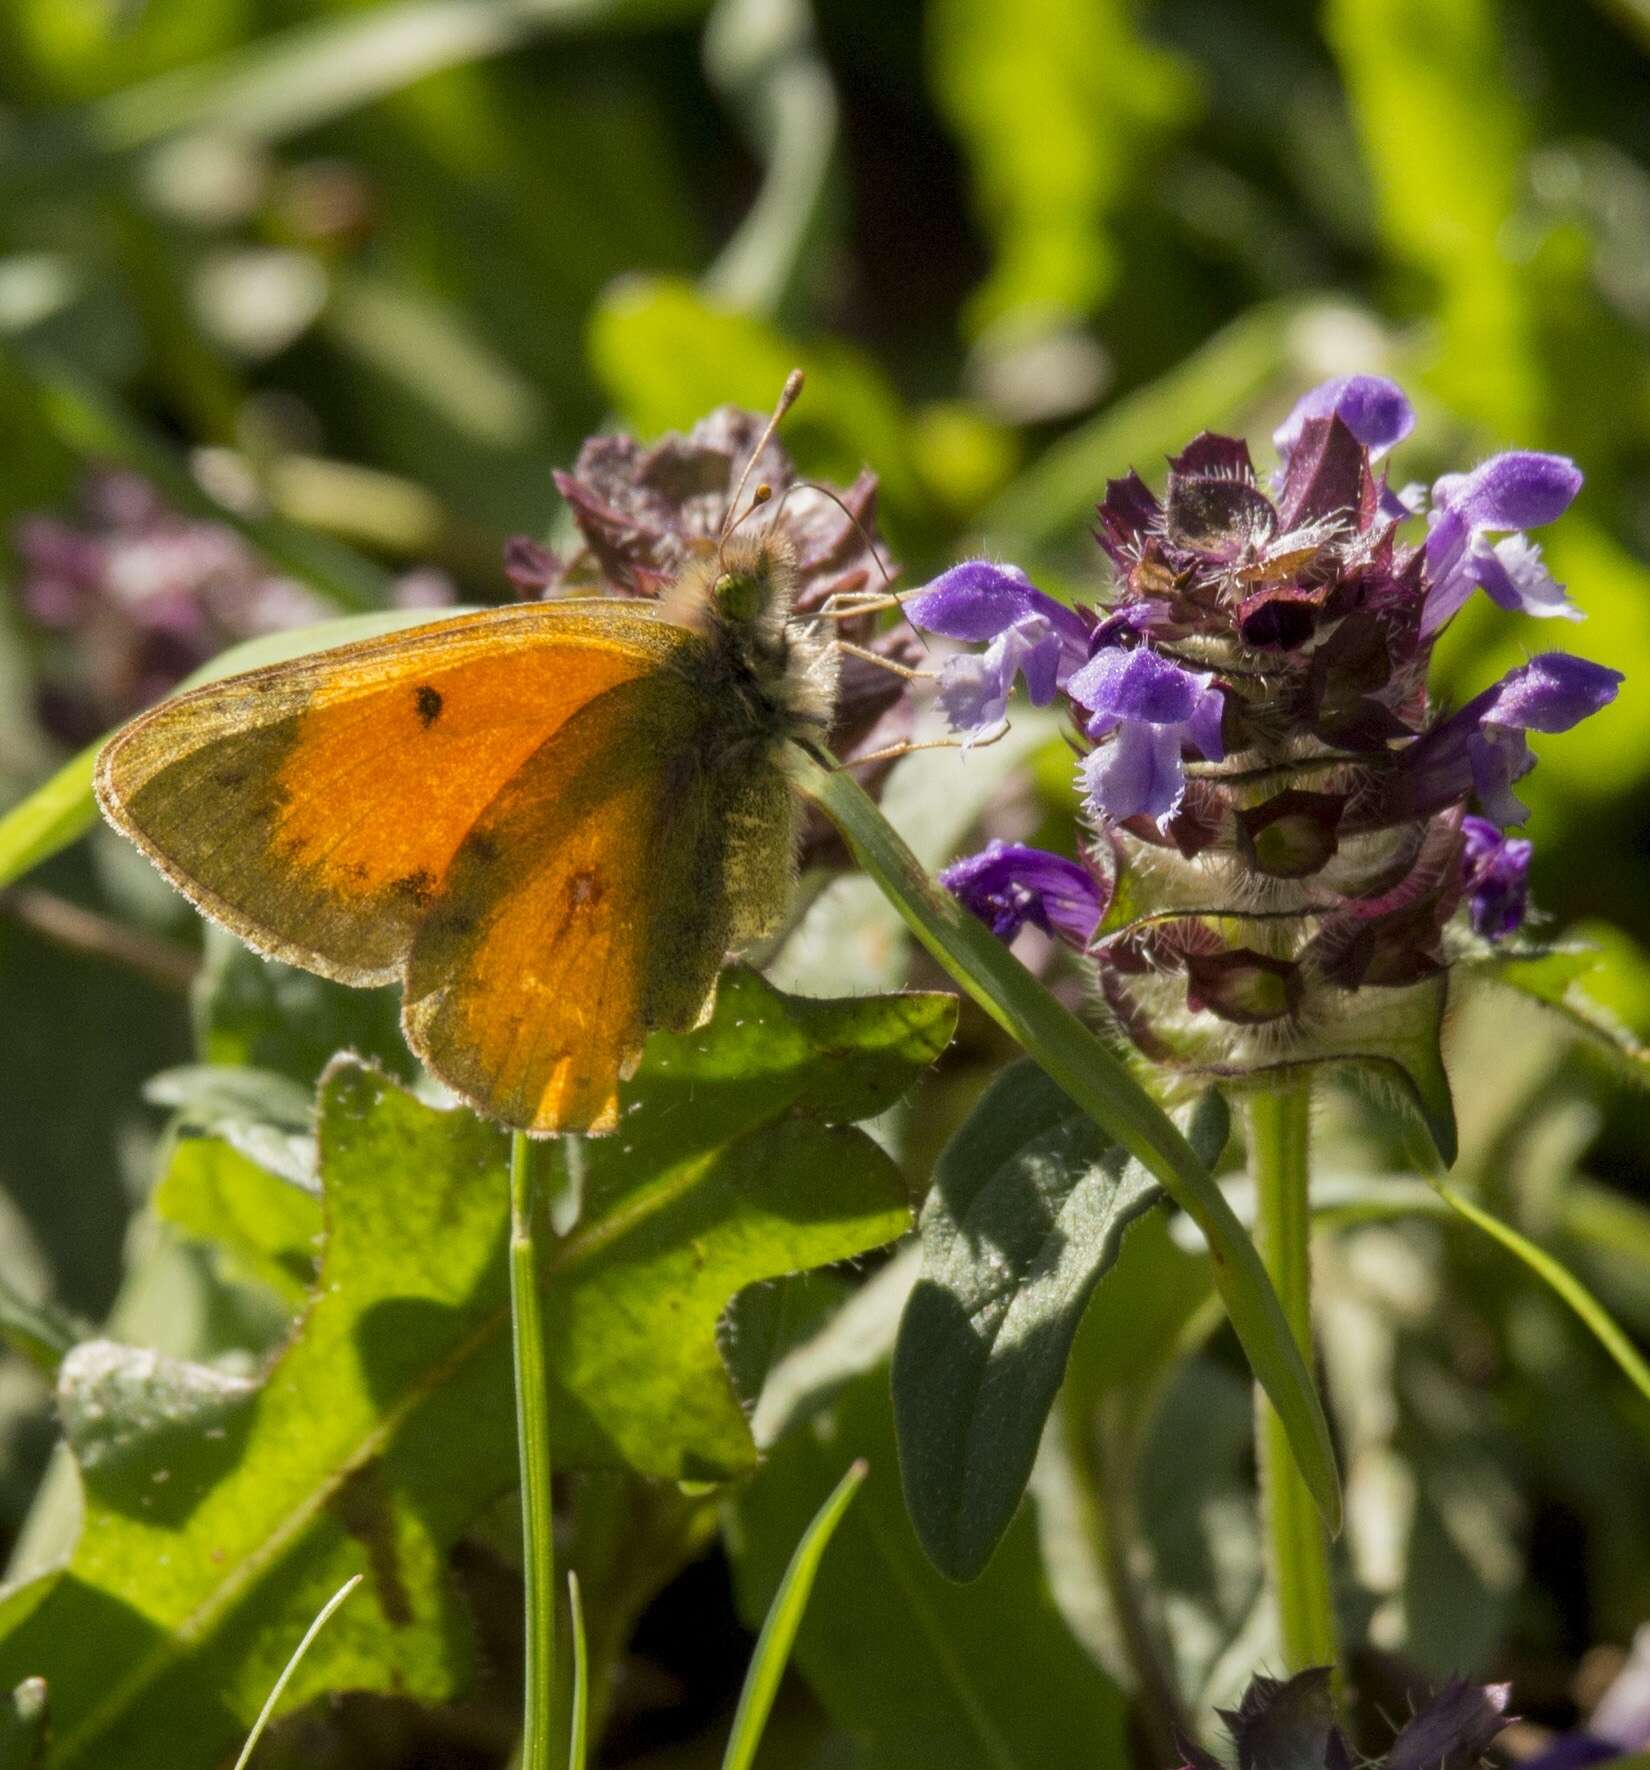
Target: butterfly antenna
{"x":788,"y":396}
{"x":841,"y":504}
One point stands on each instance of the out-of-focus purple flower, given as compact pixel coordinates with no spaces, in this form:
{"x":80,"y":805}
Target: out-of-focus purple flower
{"x":1150,"y":707}
{"x":1506,"y":495}
{"x":1007,"y":885}
{"x":1617,"y":1727}
{"x":1031,"y":635}
{"x":1371,"y":407}
{"x":1496,"y":872}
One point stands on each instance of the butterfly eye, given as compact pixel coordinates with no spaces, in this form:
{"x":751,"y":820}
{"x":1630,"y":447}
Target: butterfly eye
{"x":739,"y":595}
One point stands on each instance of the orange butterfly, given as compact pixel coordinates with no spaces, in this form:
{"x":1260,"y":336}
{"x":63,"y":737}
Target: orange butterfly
{"x":550,"y":821}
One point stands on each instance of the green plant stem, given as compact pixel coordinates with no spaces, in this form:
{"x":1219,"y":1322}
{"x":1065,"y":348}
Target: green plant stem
{"x":1100,"y":1084}
{"x":1297,"y":1550}
{"x":538,"y":1541}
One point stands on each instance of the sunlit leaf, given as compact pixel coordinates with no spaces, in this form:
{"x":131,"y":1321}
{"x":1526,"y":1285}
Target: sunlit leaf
{"x":222,"y":1512}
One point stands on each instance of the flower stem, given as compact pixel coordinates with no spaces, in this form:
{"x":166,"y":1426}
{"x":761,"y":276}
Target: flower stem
{"x":1296,"y":1546}
{"x":533,"y":1442}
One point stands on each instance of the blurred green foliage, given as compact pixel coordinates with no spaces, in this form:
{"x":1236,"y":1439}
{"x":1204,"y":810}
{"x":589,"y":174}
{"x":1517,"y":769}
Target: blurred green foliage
{"x":355,"y":275}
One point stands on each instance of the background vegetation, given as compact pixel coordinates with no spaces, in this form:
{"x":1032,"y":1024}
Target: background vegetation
{"x":373,"y":270}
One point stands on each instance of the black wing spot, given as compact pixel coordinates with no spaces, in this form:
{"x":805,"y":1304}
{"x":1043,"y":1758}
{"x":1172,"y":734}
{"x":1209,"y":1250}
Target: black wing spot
{"x":429,"y":703}
{"x":584,"y":890}
{"x":419,"y":886}
{"x":479,"y":846}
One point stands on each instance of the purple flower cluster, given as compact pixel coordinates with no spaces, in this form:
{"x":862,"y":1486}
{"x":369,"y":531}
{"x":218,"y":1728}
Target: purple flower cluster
{"x":139,"y":594}
{"x":1257,"y":749}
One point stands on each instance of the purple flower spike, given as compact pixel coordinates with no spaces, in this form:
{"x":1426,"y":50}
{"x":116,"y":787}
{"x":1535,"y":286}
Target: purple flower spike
{"x":1007,"y":885}
{"x":1031,"y":634}
{"x":1513,"y":492}
{"x":1495,"y":870}
{"x":1371,"y":407}
{"x":1153,"y":706}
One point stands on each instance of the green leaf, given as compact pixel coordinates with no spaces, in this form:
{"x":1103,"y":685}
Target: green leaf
{"x":1027,"y":1215}
{"x":1397,"y":1033}
{"x":1553,"y":977}
{"x":265,"y":1015}
{"x":264,"y":1231}
{"x":773,"y":1645}
{"x":1098,"y":1082}
{"x":55,"y":814}
{"x":924,"y":1674}
{"x":1563,"y":1283}
{"x":386,"y":1425}
{"x":1101,"y":98}
{"x":63,"y":809}
{"x":265,"y":1116}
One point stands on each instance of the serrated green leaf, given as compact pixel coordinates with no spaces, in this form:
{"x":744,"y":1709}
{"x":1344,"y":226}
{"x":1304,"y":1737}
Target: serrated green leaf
{"x":1027,"y":1214}
{"x":924,"y":1674}
{"x":386,"y":1425}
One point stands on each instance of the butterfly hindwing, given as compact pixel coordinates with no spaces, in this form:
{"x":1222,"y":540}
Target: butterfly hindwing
{"x":594,"y":902}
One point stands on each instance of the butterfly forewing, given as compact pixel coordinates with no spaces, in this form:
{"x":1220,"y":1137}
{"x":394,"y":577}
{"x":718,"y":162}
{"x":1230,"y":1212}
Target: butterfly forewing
{"x":314,"y":807}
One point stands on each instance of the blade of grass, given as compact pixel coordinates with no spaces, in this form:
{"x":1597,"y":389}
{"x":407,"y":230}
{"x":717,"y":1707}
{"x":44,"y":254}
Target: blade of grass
{"x":54,"y":815}
{"x":291,"y":1666}
{"x":773,"y":1645}
{"x":1563,"y":1283}
{"x":292,"y":81}
{"x":1103,"y":1087}
{"x":579,"y":1726}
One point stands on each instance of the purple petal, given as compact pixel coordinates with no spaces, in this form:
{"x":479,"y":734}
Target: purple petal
{"x":1552,"y":692}
{"x":1495,"y":870}
{"x":1137,"y":685}
{"x":977,"y":600}
{"x":1518,"y":490}
{"x":975,"y":687}
{"x":1371,"y":407}
{"x":1204,"y":728}
{"x":1007,"y":885}
{"x":1137,"y":774}
{"x":1497,"y":758}
{"x":1513,"y":573}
